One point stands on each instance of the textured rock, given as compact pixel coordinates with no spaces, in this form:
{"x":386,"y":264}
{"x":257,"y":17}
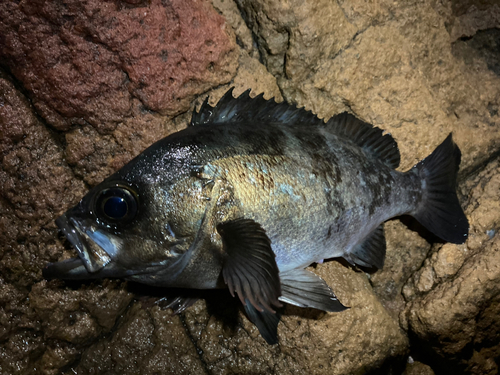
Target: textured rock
{"x":107,"y":66}
{"x":92,"y":58}
{"x":390,"y":63}
{"x":401,"y":262}
{"x":455,"y":297}
{"x":467,"y":17}
{"x":148,"y":341}
{"x":215,"y":337}
{"x":113,"y":77}
{"x":418,"y":368}
{"x":310,"y":341}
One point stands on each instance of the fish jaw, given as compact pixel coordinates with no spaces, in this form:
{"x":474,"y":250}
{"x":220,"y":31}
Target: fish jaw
{"x":88,"y":242}
{"x":95,"y":249}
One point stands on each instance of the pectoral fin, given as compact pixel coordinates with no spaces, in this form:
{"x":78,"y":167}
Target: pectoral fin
{"x":250,"y":267}
{"x":265,"y":321}
{"x":304,"y":289}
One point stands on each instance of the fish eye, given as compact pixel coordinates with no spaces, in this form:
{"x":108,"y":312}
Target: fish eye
{"x":116,"y":204}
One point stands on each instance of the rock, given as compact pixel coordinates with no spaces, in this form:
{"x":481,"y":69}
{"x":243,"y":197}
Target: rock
{"x":401,"y":262}
{"x":92,"y":58}
{"x":310,"y":341}
{"x":455,"y":297}
{"x":108,"y":79}
{"x":215,"y":337}
{"x":392,"y":64}
{"x":116,"y":71}
{"x":418,"y":368}
{"x":148,"y":341}
{"x":467,"y":17}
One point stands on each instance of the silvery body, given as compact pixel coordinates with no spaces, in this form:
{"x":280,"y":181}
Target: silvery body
{"x":248,"y":196}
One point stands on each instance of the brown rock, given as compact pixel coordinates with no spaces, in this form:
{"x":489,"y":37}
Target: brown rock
{"x":310,"y":341}
{"x":391,"y":64}
{"x":35,"y":186}
{"x":107,"y":66}
{"x":467,"y":17}
{"x":92,"y":58}
{"x":109,"y":77}
{"x":148,"y":341}
{"x":402,"y":260}
{"x":455,"y":297}
{"x":418,"y":368}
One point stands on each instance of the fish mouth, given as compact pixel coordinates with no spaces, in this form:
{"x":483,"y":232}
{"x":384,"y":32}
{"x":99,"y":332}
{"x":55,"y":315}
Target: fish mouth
{"x":95,"y":252}
{"x":83,"y":238}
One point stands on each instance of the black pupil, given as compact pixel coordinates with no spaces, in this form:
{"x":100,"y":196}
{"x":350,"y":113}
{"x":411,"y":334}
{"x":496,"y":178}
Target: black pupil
{"x":115,"y":207}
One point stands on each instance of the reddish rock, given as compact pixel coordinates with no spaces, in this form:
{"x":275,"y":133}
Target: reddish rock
{"x":98,"y":73}
{"x":84,"y":61}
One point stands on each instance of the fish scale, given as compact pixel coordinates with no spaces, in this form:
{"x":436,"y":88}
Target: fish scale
{"x":247,"y":196}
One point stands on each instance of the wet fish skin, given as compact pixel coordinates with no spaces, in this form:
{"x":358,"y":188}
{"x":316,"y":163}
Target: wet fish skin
{"x":250,"y":194}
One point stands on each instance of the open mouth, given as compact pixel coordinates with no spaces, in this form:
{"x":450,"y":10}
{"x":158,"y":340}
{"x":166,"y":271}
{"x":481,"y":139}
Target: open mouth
{"x":71,"y":234}
{"x":89,"y":244}
{"x":92,"y":258}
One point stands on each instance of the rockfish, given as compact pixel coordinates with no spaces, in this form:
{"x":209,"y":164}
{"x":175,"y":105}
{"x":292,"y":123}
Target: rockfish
{"x":247,"y":196}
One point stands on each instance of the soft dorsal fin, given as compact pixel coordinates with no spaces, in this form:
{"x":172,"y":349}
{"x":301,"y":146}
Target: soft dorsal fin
{"x":244,"y":108}
{"x":371,"y":139}
{"x":258,"y":109}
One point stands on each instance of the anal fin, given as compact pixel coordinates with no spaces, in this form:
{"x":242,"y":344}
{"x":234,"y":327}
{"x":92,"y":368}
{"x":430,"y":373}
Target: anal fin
{"x":302,"y":288}
{"x":371,"y":252}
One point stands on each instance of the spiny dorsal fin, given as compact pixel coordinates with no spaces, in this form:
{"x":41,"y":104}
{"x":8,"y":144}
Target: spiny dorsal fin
{"x":371,"y":139}
{"x":258,"y":109}
{"x":245,"y":109}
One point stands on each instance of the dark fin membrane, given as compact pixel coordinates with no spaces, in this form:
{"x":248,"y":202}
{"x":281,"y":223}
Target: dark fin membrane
{"x":246,"y":109}
{"x":305,"y":289}
{"x":371,"y":252}
{"x":177,"y":304}
{"x":366,"y":136}
{"x":250,"y":268}
{"x":440,"y":212}
{"x":265,"y":321}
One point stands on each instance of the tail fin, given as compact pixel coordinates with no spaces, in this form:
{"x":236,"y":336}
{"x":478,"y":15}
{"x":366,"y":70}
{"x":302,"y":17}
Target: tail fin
{"x":440,"y":211}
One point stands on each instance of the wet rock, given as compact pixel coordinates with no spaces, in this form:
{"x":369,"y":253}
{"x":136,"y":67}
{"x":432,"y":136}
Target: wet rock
{"x":149,"y":341}
{"x":455,"y":297}
{"x":215,"y":337}
{"x":112,"y":80}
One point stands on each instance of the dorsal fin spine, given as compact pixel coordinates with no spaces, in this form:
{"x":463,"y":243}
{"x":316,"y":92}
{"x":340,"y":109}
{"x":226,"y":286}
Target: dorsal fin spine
{"x":244,"y":109}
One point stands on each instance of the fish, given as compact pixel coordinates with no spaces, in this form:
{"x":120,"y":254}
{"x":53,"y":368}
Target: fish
{"x":250,"y":194}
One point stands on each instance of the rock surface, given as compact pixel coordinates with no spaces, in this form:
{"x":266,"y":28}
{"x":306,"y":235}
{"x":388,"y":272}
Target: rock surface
{"x":87,"y":85}
{"x":455,"y":297}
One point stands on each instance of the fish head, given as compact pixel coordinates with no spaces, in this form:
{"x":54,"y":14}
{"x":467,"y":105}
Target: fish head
{"x":134,"y":224}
